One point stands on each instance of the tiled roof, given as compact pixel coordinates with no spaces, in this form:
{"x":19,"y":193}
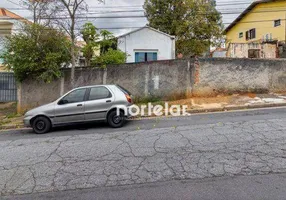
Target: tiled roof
{"x":4,"y":13}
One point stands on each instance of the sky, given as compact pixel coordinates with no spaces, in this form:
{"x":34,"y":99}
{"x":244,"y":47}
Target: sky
{"x":230,"y":8}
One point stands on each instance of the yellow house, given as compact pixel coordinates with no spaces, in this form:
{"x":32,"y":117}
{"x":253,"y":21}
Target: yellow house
{"x":259,"y":31}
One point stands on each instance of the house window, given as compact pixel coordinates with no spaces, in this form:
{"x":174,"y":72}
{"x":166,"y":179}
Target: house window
{"x":145,"y":56}
{"x":277,"y":22}
{"x":241,"y":35}
{"x":251,"y":34}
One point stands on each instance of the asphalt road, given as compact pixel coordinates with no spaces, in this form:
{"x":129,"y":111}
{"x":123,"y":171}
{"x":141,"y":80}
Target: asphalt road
{"x":208,"y":154}
{"x":260,"y":187}
{"x":153,"y":123}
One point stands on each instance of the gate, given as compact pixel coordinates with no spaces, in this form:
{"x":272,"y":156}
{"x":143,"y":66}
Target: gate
{"x":8,"y":88}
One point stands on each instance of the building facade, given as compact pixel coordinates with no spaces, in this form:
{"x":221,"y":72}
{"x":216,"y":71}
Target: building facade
{"x":9,"y":24}
{"x":147,"y":44}
{"x":258,"y":32}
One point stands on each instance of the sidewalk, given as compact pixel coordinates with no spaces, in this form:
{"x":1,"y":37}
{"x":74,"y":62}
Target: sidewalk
{"x":232,"y":102}
{"x":227,"y":102}
{"x":9,"y":119}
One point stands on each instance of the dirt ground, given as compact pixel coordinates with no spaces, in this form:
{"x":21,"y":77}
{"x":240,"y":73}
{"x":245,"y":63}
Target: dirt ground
{"x":8,"y":115}
{"x":230,"y":100}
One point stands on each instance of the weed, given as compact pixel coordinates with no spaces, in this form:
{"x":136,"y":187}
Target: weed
{"x":11,"y":115}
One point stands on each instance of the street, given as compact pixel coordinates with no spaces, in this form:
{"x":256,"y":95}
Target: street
{"x":229,"y":155}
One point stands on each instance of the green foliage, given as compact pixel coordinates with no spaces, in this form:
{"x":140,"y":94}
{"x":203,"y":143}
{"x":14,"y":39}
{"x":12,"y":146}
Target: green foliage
{"x":37,"y":52}
{"x":195,"y":23}
{"x":108,"y":53}
{"x":89,"y":32}
{"x":90,"y":35}
{"x":108,"y":41}
{"x":110,"y":57}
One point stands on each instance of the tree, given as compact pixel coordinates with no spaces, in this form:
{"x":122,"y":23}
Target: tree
{"x":108,"y":41}
{"x":196,"y":23}
{"x":37,"y":52}
{"x":90,"y":36}
{"x":68,"y":18}
{"x":108,"y":51}
{"x":41,"y":9}
{"x":108,"y":58}
{"x":71,"y":9}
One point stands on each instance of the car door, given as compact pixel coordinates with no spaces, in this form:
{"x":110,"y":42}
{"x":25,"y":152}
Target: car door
{"x":71,"y":107}
{"x":99,"y":101}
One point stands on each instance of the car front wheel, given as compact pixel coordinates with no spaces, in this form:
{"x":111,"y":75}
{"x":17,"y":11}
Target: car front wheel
{"x":41,"y":125}
{"x":114,"y":120}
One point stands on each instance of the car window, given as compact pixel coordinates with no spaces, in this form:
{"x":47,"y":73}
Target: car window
{"x":123,"y":90}
{"x":99,"y":93}
{"x":75,"y":96}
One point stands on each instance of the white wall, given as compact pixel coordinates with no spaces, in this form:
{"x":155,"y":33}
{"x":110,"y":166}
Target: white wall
{"x":7,"y":27}
{"x":147,"y":40}
{"x":219,"y":54}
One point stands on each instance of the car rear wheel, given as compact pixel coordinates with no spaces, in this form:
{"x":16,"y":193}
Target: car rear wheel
{"x":114,"y":120}
{"x":41,"y":125}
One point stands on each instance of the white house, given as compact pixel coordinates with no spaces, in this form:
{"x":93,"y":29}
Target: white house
{"x":147,"y":44}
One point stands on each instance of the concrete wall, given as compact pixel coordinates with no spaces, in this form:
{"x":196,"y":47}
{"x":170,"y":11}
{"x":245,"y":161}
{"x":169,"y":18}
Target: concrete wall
{"x":170,"y":79}
{"x":164,"y":79}
{"x":228,"y":76}
{"x":147,"y":40}
{"x":33,"y":93}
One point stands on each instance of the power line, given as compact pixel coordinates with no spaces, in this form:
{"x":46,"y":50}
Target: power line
{"x":78,"y":29}
{"x":134,"y":16}
{"x":120,"y":11}
{"x":246,"y":22}
{"x":133,"y":6}
{"x":86,"y":17}
{"x":13,"y":2}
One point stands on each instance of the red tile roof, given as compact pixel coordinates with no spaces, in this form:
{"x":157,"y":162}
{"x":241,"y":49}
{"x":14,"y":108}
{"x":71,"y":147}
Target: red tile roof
{"x":8,"y":14}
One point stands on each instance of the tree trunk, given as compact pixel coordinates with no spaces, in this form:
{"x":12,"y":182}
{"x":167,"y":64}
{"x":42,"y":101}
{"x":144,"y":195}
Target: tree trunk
{"x":73,"y":65}
{"x":73,"y":52}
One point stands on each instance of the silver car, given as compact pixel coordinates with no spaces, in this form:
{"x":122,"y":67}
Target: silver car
{"x":85,"y":104}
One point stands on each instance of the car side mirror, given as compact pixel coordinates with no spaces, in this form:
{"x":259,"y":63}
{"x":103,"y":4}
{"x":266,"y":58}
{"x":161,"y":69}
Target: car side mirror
{"x":62,"y":102}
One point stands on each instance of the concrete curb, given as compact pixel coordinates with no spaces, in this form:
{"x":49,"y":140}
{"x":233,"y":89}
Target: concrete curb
{"x":11,"y":126}
{"x":230,"y":108}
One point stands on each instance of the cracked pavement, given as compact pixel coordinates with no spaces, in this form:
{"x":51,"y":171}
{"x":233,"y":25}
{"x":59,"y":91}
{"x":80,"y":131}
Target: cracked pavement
{"x":228,"y":146}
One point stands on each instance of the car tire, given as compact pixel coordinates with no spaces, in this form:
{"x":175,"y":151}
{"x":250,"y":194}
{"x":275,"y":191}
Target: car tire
{"x":41,"y":125}
{"x":114,"y":120}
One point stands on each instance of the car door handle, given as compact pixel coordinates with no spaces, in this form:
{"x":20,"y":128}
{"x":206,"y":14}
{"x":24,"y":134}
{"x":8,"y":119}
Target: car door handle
{"x":79,"y":105}
{"x":108,"y":101}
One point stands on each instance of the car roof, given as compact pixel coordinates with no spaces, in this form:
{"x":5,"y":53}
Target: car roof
{"x":90,"y":86}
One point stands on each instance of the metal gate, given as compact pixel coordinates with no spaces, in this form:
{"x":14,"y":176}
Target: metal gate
{"x":8,"y":88}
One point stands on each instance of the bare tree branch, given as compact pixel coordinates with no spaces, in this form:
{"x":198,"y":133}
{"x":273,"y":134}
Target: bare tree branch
{"x":71,"y":9}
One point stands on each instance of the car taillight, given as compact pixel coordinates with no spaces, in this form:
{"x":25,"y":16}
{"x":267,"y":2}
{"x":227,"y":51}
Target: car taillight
{"x":128,"y":98}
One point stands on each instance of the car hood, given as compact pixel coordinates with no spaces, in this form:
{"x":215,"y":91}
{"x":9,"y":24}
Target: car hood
{"x":44,"y":109}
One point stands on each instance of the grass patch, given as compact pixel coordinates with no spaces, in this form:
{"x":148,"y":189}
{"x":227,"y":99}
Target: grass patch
{"x":11,"y":115}
{"x":6,"y":108}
